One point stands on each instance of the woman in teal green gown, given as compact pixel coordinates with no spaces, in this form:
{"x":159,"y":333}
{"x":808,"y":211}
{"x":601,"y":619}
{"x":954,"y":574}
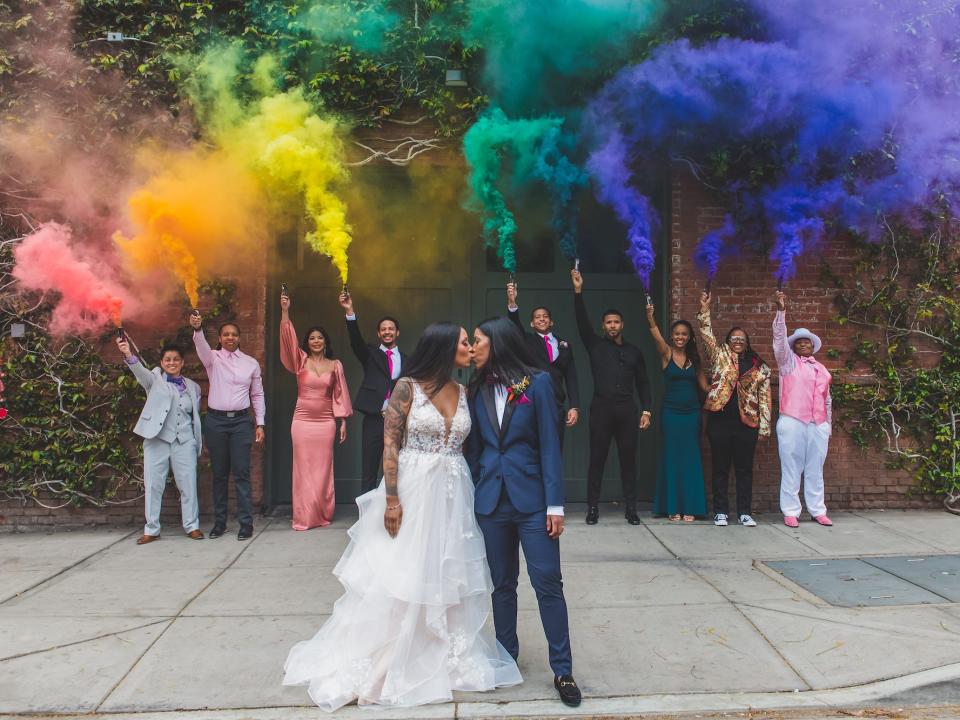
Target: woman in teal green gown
{"x":680,"y":490}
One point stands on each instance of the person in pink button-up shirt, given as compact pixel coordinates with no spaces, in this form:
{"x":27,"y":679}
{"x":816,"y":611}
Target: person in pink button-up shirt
{"x":804,"y":426}
{"x":236,"y":391}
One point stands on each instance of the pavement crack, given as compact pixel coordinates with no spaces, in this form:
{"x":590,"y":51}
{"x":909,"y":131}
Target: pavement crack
{"x":900,"y":533}
{"x":85,"y":640}
{"x":848,"y":622}
{"x":66,"y":569}
{"x":179,"y":614}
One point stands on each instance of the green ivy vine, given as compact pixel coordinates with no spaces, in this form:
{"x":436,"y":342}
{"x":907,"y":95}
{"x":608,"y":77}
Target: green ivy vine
{"x":67,"y":439}
{"x":900,"y":391}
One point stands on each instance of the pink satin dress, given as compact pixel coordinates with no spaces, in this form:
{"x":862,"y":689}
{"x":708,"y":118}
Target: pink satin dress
{"x":321,"y":401}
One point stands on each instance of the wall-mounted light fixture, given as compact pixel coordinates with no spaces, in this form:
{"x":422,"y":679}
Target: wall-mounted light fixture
{"x":456,"y":78}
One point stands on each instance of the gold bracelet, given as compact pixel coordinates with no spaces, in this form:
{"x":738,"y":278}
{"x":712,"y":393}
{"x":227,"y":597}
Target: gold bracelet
{"x":393,"y":507}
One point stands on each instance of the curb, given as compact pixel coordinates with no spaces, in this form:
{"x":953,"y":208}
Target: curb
{"x":615,"y":706}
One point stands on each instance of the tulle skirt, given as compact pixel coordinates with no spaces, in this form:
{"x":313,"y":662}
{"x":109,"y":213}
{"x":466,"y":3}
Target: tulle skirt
{"x":412,"y":625}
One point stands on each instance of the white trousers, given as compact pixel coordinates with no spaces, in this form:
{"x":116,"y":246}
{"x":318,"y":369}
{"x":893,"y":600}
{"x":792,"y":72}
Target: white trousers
{"x":159,"y":457}
{"x":803,"y":449}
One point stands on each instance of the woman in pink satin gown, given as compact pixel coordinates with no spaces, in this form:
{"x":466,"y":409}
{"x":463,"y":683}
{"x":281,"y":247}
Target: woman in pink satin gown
{"x":323,"y":402}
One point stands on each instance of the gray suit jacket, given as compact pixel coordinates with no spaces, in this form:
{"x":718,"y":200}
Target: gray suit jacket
{"x":161,"y":397}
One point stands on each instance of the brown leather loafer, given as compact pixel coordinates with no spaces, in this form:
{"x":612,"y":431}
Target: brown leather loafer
{"x":195,"y":535}
{"x":144,"y":539}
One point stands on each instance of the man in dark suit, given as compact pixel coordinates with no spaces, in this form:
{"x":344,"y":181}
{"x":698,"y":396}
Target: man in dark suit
{"x":382,"y":364}
{"x":514,"y":455}
{"x":553,"y":354}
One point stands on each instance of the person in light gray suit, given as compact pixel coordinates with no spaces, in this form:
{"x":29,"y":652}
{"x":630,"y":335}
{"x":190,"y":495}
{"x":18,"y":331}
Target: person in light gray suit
{"x":170,"y":427}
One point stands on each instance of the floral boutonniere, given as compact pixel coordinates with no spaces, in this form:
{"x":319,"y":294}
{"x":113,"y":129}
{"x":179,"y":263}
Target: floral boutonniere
{"x":563,"y":344}
{"x":517,"y":392}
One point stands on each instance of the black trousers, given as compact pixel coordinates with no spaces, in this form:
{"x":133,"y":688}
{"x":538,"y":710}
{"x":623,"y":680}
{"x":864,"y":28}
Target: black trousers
{"x":731,"y":443}
{"x":613,"y":420}
{"x":229,"y":441}
{"x":371,"y":451}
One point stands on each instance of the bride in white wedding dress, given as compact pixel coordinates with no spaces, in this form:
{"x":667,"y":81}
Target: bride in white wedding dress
{"x":411,"y":626}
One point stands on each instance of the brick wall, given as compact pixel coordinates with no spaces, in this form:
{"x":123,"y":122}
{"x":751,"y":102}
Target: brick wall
{"x":743,"y":291}
{"x":127,"y":509}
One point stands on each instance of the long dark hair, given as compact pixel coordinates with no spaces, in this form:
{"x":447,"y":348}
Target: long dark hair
{"x":327,"y":345}
{"x":749,"y":353}
{"x":432,"y":363}
{"x":692,"y":351}
{"x":510,"y":358}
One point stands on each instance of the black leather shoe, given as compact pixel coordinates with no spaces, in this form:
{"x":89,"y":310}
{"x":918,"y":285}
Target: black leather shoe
{"x":246,"y":532}
{"x":631,"y":516}
{"x":593,"y":515}
{"x":567,"y":689}
{"x":217,"y":531}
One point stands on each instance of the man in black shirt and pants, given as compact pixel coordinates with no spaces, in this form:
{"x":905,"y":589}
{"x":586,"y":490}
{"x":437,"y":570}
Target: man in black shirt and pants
{"x":382,"y":364}
{"x":617,"y":368}
{"x":553,"y":355}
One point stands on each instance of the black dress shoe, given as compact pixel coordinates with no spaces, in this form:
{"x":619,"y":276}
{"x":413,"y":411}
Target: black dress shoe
{"x":567,"y":689}
{"x":246,"y":532}
{"x":593,"y":515}
{"x":631,"y":516}
{"x":217,"y":531}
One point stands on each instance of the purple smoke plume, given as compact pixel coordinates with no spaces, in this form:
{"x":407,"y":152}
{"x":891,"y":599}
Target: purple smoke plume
{"x":863,"y":103}
{"x":712,"y":246}
{"x":608,"y":166}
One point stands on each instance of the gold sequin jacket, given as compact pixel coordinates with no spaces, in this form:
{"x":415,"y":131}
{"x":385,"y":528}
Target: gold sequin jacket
{"x":753,"y":387}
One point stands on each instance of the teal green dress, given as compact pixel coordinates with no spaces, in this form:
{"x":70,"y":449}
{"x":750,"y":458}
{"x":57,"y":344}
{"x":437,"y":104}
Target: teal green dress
{"x":680,"y":489}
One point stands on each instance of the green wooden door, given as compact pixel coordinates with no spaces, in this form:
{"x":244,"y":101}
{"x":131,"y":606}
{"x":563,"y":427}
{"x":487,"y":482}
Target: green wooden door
{"x":443,"y":273}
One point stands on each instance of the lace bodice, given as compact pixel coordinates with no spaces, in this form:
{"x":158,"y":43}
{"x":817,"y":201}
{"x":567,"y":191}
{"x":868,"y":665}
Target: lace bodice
{"x":427,"y":428}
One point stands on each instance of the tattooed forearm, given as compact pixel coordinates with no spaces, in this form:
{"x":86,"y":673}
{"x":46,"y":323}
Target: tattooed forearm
{"x":394,"y":424}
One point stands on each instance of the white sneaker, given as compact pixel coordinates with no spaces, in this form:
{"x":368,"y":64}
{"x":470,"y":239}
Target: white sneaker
{"x":747,"y":521}
{"x":720,"y":520}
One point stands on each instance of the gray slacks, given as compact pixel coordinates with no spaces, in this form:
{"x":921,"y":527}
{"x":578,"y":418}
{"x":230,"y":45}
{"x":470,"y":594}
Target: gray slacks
{"x":159,"y":457}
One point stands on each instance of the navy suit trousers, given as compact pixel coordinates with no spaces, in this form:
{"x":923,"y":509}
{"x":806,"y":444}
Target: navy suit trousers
{"x":504,"y":532}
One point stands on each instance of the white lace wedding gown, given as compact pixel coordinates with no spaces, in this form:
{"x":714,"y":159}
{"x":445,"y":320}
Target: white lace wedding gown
{"x":412,"y":625}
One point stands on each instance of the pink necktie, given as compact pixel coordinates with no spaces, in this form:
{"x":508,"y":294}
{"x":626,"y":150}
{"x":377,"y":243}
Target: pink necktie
{"x":389,"y":368}
{"x":546,"y":341}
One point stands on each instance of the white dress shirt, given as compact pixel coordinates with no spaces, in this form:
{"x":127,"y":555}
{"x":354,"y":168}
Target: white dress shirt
{"x":500,"y":396}
{"x":395,"y":358}
{"x":554,"y":344}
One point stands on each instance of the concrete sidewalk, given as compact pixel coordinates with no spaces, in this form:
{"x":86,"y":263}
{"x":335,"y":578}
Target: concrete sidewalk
{"x":665,"y":618}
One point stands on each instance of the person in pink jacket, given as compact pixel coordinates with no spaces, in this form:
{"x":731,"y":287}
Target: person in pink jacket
{"x":804,"y":426}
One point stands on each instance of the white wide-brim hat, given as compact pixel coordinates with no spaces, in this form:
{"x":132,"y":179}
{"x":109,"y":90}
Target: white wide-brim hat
{"x":804,"y":333}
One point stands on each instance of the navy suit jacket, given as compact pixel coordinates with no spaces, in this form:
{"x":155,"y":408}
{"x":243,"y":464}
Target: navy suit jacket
{"x":523,"y":455}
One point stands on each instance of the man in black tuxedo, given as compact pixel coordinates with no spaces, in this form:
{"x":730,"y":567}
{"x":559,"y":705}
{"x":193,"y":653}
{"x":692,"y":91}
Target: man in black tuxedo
{"x":382,"y":364}
{"x":553,"y":355}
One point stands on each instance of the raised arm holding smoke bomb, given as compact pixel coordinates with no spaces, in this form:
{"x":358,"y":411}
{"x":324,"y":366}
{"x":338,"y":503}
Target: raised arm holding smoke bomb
{"x":236,"y":389}
{"x":170,"y":427}
{"x":553,"y":355}
{"x":806,"y":416}
{"x":323,"y":403}
{"x":679,"y":492}
{"x":738,"y":406}
{"x":618,"y":367}
{"x":382,"y":364}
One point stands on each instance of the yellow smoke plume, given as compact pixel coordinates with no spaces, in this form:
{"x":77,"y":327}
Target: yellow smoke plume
{"x":298,"y":156}
{"x":273,"y":160}
{"x":295,"y":153}
{"x":199,"y":215}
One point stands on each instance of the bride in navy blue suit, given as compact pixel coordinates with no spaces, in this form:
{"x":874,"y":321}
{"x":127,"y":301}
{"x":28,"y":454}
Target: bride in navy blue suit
{"x":514,"y":455}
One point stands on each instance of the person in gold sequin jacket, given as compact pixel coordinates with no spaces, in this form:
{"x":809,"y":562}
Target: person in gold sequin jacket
{"x":738,"y":405}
